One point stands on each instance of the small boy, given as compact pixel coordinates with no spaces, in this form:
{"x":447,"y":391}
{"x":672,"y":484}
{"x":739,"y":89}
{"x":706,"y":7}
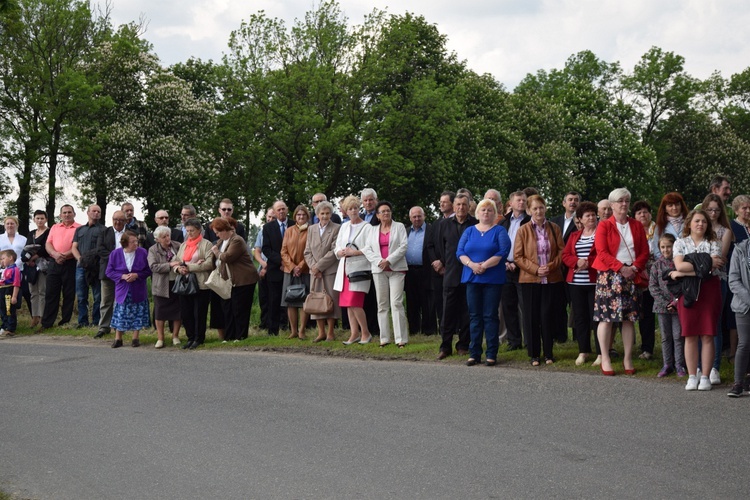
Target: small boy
{"x":10,"y":285}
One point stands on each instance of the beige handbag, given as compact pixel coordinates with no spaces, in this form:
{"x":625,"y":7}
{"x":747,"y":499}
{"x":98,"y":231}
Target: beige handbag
{"x":318,"y":301}
{"x":222,"y":287}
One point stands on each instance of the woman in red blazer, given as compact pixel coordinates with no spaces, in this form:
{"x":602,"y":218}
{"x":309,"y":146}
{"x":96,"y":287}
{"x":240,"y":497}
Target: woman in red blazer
{"x":579,"y":256}
{"x":621,"y":256}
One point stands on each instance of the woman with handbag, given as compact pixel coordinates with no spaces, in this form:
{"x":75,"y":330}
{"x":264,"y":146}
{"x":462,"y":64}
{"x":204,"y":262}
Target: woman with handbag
{"x":166,"y":303}
{"x":41,"y":260}
{"x":195,"y":263}
{"x":321,"y":259}
{"x":386,"y":251}
{"x":353,"y":263}
{"x":296,"y":273}
{"x":621,"y":256}
{"x":235,"y":265}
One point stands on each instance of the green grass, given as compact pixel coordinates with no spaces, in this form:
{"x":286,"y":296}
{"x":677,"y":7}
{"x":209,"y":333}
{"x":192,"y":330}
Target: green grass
{"x":420,"y":348}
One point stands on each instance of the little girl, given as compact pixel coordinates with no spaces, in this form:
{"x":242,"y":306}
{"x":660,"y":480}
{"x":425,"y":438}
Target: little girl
{"x":665,"y":306}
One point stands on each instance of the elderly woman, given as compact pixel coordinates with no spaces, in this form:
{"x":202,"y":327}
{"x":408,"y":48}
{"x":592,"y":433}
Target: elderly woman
{"x":234,"y":262}
{"x":321,"y":258}
{"x":578,"y":256}
{"x":621,"y":254}
{"x":483,"y":250}
{"x":352,"y":237}
{"x":386,"y":251}
{"x":295,"y":270}
{"x":700,"y":319}
{"x":166,"y":303}
{"x":537,"y":252}
{"x":128,"y":268}
{"x":38,"y":236}
{"x":195,"y":256}
{"x":670,"y":218}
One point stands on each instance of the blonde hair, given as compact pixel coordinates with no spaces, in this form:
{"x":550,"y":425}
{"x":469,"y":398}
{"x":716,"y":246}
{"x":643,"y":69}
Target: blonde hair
{"x":350,"y":201}
{"x":487,"y":202}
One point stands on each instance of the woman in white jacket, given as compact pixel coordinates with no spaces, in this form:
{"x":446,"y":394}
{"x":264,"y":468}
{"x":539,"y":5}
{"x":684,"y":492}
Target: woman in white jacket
{"x":350,"y":241}
{"x":386,"y":251}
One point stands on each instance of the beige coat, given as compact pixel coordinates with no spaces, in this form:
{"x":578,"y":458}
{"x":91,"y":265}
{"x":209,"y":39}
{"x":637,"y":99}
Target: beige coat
{"x":160,"y":268}
{"x":202,"y":270}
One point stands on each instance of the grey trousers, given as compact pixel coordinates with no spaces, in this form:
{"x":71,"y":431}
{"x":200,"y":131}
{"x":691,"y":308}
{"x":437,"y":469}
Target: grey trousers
{"x":672,"y":343}
{"x":106,"y":306}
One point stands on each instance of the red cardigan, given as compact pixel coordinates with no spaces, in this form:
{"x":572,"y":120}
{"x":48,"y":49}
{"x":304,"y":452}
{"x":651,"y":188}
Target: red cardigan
{"x":571,"y":260}
{"x":607,"y":242}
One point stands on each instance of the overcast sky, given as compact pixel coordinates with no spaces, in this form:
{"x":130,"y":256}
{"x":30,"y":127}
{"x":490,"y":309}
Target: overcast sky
{"x":507,"y":38}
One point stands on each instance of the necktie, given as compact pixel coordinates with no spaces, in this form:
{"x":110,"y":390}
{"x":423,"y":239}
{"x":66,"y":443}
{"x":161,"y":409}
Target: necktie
{"x":283,"y":229}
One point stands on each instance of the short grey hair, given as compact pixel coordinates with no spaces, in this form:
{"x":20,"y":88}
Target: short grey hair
{"x":368,"y":192}
{"x":739,"y":200}
{"x":618,"y":194}
{"x":323,"y":205}
{"x":161,"y":231}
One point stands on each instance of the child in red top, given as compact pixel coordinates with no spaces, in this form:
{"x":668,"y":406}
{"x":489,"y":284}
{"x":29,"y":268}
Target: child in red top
{"x":10,"y":285}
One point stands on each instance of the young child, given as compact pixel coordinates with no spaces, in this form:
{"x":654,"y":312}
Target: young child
{"x":10,"y":285}
{"x":665,"y":307}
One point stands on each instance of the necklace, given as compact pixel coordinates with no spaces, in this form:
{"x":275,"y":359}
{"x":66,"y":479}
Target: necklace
{"x":481,"y":233}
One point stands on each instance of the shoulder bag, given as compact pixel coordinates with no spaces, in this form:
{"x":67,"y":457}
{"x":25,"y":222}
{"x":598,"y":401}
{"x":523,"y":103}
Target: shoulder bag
{"x":358,"y":268}
{"x":222,"y":287}
{"x":186,"y":285}
{"x":296,"y":291}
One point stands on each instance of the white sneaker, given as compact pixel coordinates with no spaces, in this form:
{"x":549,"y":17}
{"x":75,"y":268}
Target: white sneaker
{"x":705,"y":384}
{"x":175,"y":341}
{"x":581,"y":359}
{"x":159,"y":344}
{"x":715,"y":378}
{"x":692,"y":383}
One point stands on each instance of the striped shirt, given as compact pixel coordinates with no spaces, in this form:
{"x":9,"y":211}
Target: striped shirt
{"x":583,"y":249}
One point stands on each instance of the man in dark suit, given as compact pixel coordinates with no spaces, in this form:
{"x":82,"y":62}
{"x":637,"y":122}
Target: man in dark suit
{"x":455,"y":309}
{"x":109,"y":239}
{"x":162,"y":219}
{"x":566,"y":223}
{"x":511,"y":300}
{"x":273,"y":236}
{"x":420,"y":309}
{"x":438,"y":270}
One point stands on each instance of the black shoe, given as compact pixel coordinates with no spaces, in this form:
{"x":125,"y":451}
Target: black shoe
{"x":187,"y":344}
{"x":117,"y":343}
{"x":194,"y":345}
{"x":135,"y":343}
{"x":101,"y":333}
{"x":514,"y":348}
{"x":613,"y":354}
{"x":81,"y":325}
{"x":471,"y":362}
{"x":736,"y":391}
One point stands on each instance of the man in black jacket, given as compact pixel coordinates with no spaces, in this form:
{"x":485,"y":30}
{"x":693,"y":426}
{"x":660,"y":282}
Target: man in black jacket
{"x":511,"y":300}
{"x":273,"y":236}
{"x":108,"y":240}
{"x":455,"y":310}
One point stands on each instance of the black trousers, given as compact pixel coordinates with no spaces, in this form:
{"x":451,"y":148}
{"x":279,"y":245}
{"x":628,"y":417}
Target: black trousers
{"x":371,"y":310}
{"x":582,"y":306}
{"x":437,"y":297}
{"x":420,"y":309}
{"x":275,"y":311}
{"x":194,"y":314}
{"x":540,"y":316}
{"x":60,"y":278}
{"x":455,"y":319}
{"x":647,"y":325}
{"x":237,"y":311}
{"x":263,"y":302}
{"x":512,"y":304}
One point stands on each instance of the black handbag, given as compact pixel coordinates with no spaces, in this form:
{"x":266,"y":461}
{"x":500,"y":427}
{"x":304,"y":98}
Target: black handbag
{"x":186,"y":284}
{"x":296,"y":291}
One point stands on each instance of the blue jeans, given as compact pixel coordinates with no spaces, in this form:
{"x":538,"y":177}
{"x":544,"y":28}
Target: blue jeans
{"x":82,"y":292}
{"x":484,"y":302}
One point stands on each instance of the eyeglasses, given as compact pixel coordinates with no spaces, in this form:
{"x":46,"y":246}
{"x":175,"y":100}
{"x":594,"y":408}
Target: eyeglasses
{"x":226,"y":209}
{"x":713,"y":210}
{"x":163,"y":217}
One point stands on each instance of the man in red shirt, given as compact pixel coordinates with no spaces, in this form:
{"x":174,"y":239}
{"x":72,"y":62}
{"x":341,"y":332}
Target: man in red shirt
{"x":61,"y":275}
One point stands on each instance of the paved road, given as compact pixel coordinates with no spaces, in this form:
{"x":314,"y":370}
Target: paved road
{"x":89,"y":422}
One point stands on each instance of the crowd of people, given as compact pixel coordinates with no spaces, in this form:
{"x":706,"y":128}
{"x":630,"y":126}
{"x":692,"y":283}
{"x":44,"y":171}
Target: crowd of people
{"x":486,"y":273}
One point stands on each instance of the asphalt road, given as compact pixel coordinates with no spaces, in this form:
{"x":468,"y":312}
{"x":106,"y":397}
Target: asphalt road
{"x":90,"y":422}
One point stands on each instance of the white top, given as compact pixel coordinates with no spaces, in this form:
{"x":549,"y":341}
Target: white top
{"x":626,"y":251}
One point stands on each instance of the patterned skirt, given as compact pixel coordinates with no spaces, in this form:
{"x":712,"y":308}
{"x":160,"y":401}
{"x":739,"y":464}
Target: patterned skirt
{"x":616,"y":298}
{"x":131,"y":315}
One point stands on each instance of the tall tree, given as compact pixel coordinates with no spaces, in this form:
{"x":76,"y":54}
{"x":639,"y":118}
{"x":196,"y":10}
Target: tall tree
{"x":42,"y":44}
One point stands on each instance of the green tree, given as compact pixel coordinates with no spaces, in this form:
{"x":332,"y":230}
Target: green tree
{"x":42,"y":44}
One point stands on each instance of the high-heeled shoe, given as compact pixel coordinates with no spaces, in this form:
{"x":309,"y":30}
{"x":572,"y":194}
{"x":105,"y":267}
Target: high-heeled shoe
{"x":630,"y":371}
{"x":363,"y":342}
{"x":350,"y":342}
{"x":608,"y":373}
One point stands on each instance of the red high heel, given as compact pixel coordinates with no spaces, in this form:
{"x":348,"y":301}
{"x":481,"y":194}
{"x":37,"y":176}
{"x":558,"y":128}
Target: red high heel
{"x":630,"y":372}
{"x":608,"y":373}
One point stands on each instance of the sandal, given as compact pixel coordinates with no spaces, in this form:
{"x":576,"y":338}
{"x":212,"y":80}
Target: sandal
{"x":549,"y":361}
{"x":490,"y":362}
{"x":534,"y":361}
